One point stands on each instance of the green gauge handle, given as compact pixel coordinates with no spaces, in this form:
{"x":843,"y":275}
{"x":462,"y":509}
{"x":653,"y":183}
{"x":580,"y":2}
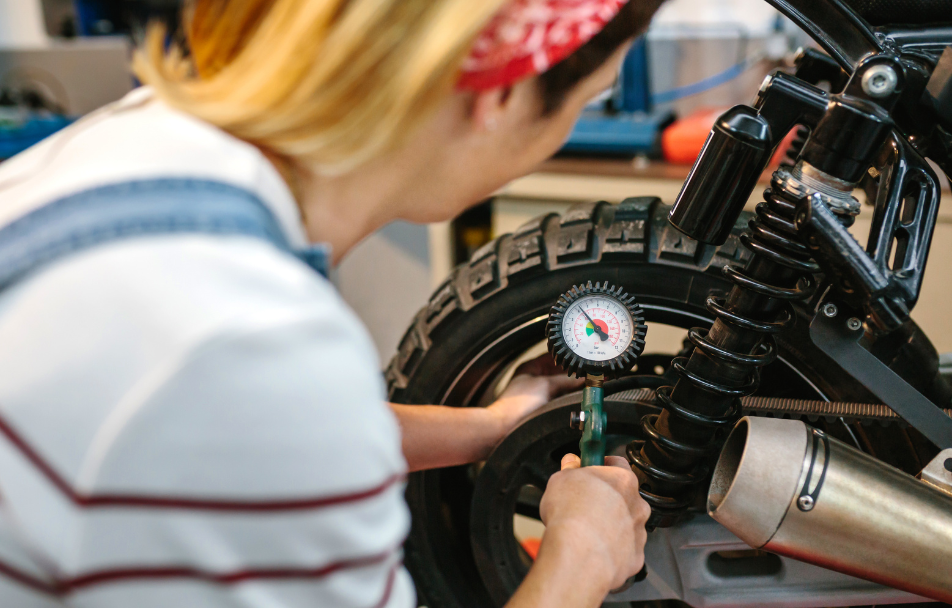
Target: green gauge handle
{"x":592,"y":444}
{"x":593,"y":421}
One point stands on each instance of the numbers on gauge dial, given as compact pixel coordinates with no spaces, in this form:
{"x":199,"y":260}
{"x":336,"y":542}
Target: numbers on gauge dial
{"x":597,"y":328}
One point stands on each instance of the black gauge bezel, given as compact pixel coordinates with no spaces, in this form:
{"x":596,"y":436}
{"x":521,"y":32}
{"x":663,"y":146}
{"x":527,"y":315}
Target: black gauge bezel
{"x":581,"y":367}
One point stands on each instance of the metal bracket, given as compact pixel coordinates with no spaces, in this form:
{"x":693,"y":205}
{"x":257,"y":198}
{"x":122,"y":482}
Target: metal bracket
{"x":838,"y":335}
{"x":807,"y":499}
{"x":938,"y":473}
{"x":904,"y":219}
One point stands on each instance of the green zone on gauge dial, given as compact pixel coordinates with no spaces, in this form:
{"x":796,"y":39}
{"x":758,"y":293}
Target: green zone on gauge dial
{"x":596,"y":330}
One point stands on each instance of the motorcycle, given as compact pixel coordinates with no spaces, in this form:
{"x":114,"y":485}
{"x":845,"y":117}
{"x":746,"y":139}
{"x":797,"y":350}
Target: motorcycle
{"x":794,"y":329}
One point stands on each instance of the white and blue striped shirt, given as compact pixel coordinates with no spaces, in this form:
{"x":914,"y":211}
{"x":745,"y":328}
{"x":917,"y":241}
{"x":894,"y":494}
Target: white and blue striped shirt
{"x":187,"y":420}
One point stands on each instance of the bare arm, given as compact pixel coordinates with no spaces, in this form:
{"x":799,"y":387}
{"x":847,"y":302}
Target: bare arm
{"x":439,"y":436}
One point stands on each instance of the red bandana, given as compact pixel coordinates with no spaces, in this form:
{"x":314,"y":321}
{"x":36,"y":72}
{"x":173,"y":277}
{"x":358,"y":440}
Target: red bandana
{"x":527,"y":37}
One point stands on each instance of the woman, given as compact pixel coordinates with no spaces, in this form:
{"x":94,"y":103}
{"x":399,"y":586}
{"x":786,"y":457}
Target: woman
{"x":189,"y":415}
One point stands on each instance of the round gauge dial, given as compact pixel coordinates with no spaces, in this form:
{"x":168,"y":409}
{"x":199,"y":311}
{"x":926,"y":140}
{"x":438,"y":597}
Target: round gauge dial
{"x":596,"y":330}
{"x":597,"y":327}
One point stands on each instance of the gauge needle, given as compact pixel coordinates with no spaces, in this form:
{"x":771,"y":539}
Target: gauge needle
{"x":601,"y":335}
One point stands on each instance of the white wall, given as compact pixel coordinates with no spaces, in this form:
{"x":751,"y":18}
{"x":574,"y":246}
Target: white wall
{"x":386,"y":279}
{"x":21,"y":24}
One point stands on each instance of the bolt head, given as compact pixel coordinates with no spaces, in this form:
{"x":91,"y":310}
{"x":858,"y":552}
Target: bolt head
{"x":801,"y":220}
{"x":880,"y":81}
{"x":577,"y":420}
{"x":829,"y":309}
{"x":853,"y":324}
{"x":805,"y":503}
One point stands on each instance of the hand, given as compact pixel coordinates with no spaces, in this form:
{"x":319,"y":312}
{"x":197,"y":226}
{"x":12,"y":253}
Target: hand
{"x":534,"y":384}
{"x":598,"y":516}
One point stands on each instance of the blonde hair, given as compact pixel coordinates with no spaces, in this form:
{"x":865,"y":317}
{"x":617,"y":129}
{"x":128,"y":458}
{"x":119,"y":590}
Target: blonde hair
{"x":336,"y":82}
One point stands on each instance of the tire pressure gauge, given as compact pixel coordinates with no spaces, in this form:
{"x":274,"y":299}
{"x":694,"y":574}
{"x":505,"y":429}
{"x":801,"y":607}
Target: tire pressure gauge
{"x":595,"y":332}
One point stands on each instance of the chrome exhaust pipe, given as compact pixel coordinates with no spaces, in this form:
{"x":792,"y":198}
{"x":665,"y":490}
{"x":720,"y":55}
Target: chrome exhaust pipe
{"x":792,"y":490}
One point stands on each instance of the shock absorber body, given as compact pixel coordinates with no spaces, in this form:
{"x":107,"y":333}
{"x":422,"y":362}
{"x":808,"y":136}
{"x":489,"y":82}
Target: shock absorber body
{"x":727,"y":358}
{"x":681,"y":442}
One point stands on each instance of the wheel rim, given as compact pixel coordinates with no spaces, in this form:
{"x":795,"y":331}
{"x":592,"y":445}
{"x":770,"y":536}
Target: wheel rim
{"x":525,"y":460}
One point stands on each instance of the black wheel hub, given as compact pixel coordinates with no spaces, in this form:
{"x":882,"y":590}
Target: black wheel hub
{"x":513,"y":479}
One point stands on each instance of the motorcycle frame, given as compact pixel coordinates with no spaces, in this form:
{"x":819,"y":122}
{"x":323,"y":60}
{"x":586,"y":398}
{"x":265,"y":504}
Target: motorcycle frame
{"x":884,"y":278}
{"x":849,"y":40}
{"x":902,"y":169}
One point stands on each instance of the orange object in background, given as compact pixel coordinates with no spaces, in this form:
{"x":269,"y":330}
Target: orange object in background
{"x":531,"y":546}
{"x":682,"y":141}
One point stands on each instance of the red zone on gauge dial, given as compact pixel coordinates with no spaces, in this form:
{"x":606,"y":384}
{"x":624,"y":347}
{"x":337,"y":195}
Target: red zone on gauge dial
{"x":597,"y":328}
{"x":606,"y":322}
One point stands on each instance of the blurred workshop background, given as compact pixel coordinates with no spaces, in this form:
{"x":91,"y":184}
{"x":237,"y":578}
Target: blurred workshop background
{"x":60,"y":59}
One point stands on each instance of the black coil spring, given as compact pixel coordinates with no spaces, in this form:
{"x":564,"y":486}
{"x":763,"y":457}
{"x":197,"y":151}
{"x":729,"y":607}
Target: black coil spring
{"x":772,"y":235}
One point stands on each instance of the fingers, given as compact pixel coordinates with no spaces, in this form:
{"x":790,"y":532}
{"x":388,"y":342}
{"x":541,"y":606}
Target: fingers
{"x":548,"y":379}
{"x":540,"y":366}
{"x":642,"y":514}
{"x":607,"y":473}
{"x":617,"y":461}
{"x":626,"y":484}
{"x":623,"y":481}
{"x":571,"y":461}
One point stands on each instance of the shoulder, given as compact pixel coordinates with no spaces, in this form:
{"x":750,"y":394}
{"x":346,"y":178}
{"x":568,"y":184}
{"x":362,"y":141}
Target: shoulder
{"x":220,"y":366}
{"x":140,"y":138}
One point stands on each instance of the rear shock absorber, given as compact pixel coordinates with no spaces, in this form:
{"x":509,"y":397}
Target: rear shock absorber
{"x":727,"y":358}
{"x":725,"y":364}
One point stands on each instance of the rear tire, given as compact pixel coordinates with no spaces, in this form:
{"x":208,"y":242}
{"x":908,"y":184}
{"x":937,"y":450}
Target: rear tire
{"x":493,"y":308}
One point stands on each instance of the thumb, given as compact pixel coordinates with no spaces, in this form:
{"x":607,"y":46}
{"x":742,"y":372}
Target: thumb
{"x":571,"y":461}
{"x":617,"y":461}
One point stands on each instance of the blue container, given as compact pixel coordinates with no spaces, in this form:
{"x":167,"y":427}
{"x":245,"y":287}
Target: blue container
{"x":619,"y":133}
{"x":15,"y":138}
{"x":624,"y":123}
{"x":633,"y":94}
{"x":90,"y":17}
